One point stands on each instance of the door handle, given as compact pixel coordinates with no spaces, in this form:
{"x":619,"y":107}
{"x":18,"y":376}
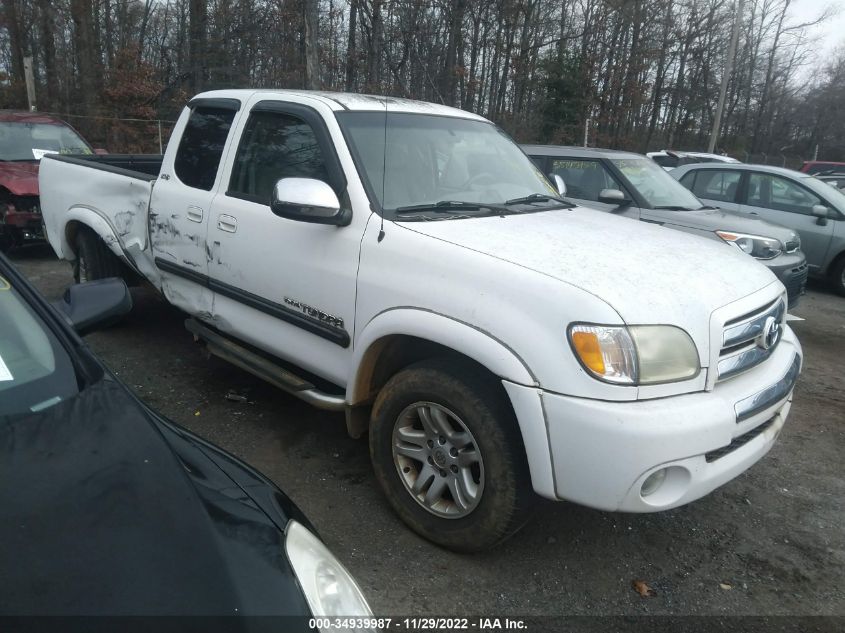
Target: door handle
{"x":195,"y":214}
{"x":227,"y":223}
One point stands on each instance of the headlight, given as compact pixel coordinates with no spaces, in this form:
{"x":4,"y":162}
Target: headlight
{"x":755,"y":245}
{"x":635,"y":355}
{"x":329,"y":589}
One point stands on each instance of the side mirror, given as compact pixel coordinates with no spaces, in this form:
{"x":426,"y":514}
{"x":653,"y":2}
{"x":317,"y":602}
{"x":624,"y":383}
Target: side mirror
{"x":822,"y":213}
{"x":95,"y":304}
{"x":613,"y":196}
{"x":559,"y":185}
{"x":308,"y":200}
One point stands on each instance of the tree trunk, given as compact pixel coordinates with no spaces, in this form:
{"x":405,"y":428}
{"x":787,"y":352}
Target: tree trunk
{"x":88,"y":66}
{"x":13,"y":26}
{"x":311,"y":37}
{"x":197,"y":42}
{"x":351,"y":46}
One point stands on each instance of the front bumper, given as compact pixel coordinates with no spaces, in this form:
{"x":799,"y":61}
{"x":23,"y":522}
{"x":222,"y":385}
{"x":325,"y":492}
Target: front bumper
{"x":791,"y":269}
{"x":603,"y":452}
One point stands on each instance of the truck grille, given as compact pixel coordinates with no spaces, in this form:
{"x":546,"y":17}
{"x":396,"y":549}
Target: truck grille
{"x":748,"y":340}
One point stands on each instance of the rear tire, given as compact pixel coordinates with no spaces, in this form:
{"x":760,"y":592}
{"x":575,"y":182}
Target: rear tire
{"x":448,"y":455}
{"x":837,"y":276}
{"x":93,"y":258}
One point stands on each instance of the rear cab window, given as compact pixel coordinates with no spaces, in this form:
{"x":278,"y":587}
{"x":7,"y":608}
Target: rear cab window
{"x":201,"y":146}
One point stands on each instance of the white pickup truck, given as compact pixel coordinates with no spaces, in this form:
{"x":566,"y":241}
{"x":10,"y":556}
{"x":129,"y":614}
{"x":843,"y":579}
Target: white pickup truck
{"x":406,"y":263}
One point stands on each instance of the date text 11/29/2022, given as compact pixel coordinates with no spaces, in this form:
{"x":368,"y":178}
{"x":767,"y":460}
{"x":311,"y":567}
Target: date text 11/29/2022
{"x":417,"y":624}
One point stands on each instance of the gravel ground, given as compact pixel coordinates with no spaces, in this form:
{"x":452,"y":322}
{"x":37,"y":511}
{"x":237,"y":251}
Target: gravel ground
{"x":771,"y":542}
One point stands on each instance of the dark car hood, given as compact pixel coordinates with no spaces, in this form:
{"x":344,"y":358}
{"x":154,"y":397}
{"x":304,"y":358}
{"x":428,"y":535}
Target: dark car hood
{"x":724,"y":220}
{"x":21,"y":178}
{"x":105,"y":510}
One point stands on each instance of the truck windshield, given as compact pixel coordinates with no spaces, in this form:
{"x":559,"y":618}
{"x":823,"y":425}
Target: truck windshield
{"x":448,"y":163}
{"x":22,"y":141}
{"x":658,"y":188}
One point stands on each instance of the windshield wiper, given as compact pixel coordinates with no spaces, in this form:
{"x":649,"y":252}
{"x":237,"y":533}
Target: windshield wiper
{"x":674,"y":207}
{"x":447,"y":206}
{"x":536,"y":197}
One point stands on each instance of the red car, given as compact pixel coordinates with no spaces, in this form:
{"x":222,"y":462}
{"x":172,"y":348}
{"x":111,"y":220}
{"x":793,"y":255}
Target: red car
{"x":24,"y":138}
{"x":818,"y":166}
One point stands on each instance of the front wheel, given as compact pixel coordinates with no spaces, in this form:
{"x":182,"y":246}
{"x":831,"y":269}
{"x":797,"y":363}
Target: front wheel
{"x":447,"y":453}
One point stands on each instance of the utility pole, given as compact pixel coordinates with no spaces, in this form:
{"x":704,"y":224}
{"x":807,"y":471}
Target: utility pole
{"x":30,"y":83}
{"x":587,"y":131}
{"x":726,"y":75}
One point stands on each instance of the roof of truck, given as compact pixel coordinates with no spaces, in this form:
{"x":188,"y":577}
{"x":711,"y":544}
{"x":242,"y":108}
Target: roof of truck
{"x":349,"y":101}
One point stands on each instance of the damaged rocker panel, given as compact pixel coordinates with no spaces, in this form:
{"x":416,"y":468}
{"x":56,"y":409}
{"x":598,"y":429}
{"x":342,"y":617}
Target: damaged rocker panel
{"x":314,"y":325}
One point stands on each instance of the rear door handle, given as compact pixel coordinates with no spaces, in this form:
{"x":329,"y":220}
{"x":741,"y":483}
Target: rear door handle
{"x":195,"y":214}
{"x":227,"y":223}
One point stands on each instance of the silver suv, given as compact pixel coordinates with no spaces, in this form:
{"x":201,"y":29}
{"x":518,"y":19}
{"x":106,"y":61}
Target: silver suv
{"x":791,"y":198}
{"x":634,"y":186}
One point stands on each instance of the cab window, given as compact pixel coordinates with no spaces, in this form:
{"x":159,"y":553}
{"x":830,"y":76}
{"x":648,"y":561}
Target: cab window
{"x":274,"y":146}
{"x":715,"y":184}
{"x":584,"y":179}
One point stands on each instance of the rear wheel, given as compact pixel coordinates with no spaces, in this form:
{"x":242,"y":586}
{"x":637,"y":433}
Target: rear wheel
{"x":448,"y":455}
{"x":93,"y":258}
{"x":837,"y":276}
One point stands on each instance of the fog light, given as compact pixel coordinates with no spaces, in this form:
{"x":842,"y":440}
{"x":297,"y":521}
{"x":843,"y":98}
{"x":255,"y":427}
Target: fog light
{"x":653,"y":482}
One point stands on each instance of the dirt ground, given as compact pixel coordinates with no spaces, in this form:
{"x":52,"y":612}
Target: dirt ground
{"x":771,"y":542}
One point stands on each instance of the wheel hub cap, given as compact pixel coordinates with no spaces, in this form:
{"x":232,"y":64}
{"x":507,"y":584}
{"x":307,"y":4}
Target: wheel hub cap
{"x":438,"y":460}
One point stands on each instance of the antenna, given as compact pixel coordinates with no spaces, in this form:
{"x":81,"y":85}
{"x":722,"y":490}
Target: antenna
{"x":383,"y":173}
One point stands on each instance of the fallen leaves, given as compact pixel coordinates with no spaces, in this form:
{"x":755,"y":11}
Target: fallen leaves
{"x":642,"y":588}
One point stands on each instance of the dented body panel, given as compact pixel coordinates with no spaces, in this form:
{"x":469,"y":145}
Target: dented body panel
{"x":500,"y":290}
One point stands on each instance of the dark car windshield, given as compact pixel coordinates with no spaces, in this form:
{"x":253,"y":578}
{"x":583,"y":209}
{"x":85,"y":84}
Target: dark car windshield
{"x":416,"y":160}
{"x":656,"y":187}
{"x":36,"y":371}
{"x":21,"y":140}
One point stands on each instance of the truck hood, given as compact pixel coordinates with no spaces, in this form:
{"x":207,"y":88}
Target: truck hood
{"x":20,"y":178}
{"x":722,"y":220}
{"x":646,"y":273}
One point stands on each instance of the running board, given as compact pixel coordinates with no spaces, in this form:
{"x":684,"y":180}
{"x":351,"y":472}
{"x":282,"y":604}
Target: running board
{"x":259,"y":366}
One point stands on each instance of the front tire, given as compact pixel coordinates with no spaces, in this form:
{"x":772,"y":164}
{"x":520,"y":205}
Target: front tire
{"x":448,"y":455}
{"x":93,"y":258}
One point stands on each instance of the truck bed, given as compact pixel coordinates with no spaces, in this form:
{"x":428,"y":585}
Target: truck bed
{"x":109,"y":193}
{"x":141,"y":166}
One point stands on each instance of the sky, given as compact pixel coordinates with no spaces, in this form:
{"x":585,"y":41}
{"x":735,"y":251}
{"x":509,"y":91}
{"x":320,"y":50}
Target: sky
{"x":830,"y":34}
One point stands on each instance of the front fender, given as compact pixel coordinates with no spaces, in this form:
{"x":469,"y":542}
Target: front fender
{"x":519,"y":382}
{"x":462,"y":337}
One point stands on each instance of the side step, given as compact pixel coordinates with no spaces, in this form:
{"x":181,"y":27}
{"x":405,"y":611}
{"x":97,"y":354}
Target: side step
{"x":259,"y":366}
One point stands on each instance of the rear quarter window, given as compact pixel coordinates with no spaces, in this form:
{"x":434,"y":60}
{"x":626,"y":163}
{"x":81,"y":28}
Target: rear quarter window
{"x":201,"y":146}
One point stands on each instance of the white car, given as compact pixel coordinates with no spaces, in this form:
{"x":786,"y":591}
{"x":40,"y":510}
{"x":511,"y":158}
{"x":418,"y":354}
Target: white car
{"x":407,"y":264}
{"x":668,"y":159}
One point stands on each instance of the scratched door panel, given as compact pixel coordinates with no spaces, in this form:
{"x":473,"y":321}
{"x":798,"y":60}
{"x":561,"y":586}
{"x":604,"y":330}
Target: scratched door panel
{"x":180,"y":204}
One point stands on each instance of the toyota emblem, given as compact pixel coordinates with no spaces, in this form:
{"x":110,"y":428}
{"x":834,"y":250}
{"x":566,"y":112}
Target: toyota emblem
{"x":770,"y":335}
